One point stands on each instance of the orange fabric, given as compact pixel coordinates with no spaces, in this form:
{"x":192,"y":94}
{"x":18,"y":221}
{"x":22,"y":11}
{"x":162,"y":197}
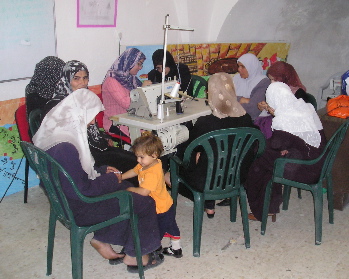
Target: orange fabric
{"x":153,"y":180}
{"x":339,"y":106}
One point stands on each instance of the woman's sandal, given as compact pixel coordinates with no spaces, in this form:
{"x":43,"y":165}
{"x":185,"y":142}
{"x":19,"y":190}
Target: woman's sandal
{"x":118,"y":260}
{"x":253,"y":218}
{"x":159,"y":259}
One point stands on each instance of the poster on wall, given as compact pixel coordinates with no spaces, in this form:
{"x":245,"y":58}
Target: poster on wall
{"x":100,"y":13}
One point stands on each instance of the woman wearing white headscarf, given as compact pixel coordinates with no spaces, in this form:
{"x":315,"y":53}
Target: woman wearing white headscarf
{"x":298,"y":134}
{"x":63,"y":134}
{"x":250,"y":83}
{"x":227,"y":112}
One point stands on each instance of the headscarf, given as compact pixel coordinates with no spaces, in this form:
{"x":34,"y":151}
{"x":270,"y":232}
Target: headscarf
{"x":222,"y":98}
{"x":293,"y":115}
{"x":120,"y":70}
{"x":284,"y":72}
{"x":244,"y":86}
{"x":67,"y":122}
{"x":46,"y":75}
{"x":63,"y":88}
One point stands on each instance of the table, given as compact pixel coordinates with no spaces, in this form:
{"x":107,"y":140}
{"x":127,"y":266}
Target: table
{"x":340,"y":171}
{"x":193,"y":109}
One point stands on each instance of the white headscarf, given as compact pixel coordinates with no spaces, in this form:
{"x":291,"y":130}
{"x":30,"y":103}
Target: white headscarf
{"x":293,"y":115}
{"x":244,"y":86}
{"x":67,"y":122}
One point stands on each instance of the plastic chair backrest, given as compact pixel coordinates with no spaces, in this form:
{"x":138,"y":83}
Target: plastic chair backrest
{"x":34,"y":120}
{"x":199,"y":86}
{"x":312,"y":100}
{"x":22,"y":123}
{"x":331,"y":150}
{"x":225,"y":151}
{"x":49,"y":171}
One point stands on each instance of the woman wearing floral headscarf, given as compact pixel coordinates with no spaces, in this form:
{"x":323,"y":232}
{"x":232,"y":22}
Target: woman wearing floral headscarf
{"x":298,"y":134}
{"x":227,"y":112}
{"x":43,"y":83}
{"x":118,"y":82}
{"x":76,"y":76}
{"x":250,"y":83}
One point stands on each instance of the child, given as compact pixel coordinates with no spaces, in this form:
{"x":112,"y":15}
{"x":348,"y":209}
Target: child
{"x":147,"y":149}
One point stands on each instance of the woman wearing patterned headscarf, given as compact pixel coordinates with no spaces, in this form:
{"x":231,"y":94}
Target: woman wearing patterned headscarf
{"x":298,"y":134}
{"x":75,"y":75}
{"x":43,"y":83}
{"x":250,"y":83}
{"x":118,"y":82}
{"x":227,"y":112}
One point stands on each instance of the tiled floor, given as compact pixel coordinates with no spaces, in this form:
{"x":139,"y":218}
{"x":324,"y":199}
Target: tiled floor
{"x":286,"y":251}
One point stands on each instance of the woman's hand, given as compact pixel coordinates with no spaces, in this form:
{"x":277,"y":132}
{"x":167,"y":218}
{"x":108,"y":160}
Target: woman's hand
{"x":116,"y":172}
{"x":262,"y":106}
{"x":284,"y":152}
{"x":111,"y":142}
{"x":146,"y":83}
{"x":244,"y":100}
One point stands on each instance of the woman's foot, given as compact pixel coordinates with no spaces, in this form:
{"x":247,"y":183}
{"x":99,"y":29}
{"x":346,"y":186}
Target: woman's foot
{"x":210,"y":213}
{"x":253,"y":218}
{"x":149,"y":261}
{"x":105,"y":250}
{"x":224,"y":202}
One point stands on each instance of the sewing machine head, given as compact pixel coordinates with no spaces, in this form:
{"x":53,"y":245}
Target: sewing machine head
{"x":144,"y":100}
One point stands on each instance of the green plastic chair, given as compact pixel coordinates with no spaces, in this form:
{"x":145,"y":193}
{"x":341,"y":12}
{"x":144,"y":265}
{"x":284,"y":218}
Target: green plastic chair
{"x":312,"y":100}
{"x":34,"y":120}
{"x":225,"y":150}
{"x":49,"y":171}
{"x":329,"y":155}
{"x":199,"y":86}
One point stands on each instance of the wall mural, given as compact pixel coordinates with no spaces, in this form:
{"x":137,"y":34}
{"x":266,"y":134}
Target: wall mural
{"x":202,"y":60}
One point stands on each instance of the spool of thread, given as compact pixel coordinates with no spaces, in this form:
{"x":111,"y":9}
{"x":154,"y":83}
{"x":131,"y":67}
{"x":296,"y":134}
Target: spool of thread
{"x":160,"y":111}
{"x":175,"y":89}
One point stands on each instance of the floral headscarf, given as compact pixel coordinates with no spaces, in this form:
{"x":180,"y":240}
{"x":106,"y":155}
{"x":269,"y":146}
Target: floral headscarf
{"x":46,"y":75}
{"x":120,"y":70}
{"x":63,"y":88}
{"x":222,"y":98}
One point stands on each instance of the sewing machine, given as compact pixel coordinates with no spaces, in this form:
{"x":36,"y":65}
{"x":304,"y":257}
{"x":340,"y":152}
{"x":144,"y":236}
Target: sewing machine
{"x":144,"y":100}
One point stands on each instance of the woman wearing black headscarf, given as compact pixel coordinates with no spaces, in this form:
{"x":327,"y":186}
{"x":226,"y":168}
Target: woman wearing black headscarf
{"x":179,"y":71}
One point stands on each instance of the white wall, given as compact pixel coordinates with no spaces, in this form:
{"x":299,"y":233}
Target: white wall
{"x":316,"y":29}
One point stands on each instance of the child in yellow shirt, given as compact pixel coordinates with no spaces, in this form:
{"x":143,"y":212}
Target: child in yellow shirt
{"x":147,"y":149}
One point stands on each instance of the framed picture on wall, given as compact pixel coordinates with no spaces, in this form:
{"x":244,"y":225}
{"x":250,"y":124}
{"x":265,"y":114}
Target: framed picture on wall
{"x":101,"y":13}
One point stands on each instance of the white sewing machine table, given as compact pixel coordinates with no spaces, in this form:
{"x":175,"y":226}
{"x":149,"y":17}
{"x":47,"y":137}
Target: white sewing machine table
{"x":192,"y":110}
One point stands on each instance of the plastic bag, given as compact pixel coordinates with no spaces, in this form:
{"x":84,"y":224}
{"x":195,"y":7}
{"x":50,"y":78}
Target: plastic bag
{"x":338,"y":107}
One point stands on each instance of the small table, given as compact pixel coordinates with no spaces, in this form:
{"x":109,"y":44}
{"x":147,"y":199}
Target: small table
{"x":193,"y":109}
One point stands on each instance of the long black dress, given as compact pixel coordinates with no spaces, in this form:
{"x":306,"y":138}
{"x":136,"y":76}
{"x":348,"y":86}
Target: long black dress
{"x":261,"y":169}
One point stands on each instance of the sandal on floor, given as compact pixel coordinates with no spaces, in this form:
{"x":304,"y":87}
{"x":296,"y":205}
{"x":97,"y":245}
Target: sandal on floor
{"x":118,"y":260}
{"x":253,"y":218}
{"x":159,"y":259}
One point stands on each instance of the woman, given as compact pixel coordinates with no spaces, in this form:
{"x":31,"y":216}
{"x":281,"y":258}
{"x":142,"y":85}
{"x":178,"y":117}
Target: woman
{"x":76,"y":76}
{"x":227,"y":112}
{"x":63,"y":135}
{"x":298,"y":134}
{"x":172,"y":70}
{"x":250,"y":84}
{"x":283,"y":72}
{"x":43,"y":83}
{"x":118,"y":82}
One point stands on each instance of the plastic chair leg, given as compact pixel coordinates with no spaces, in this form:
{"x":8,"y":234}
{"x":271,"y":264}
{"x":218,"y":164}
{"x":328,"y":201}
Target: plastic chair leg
{"x":197,"y":224}
{"x":233,"y":208}
{"x":330,"y":199}
{"x":286,"y":197}
{"x":77,"y":238}
{"x":266,"y":206}
{"x":299,"y":193}
{"x":50,"y":243}
{"x":318,"y":204}
{"x":244,"y":216}
{"x":26,"y":178}
{"x":137,"y":244}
